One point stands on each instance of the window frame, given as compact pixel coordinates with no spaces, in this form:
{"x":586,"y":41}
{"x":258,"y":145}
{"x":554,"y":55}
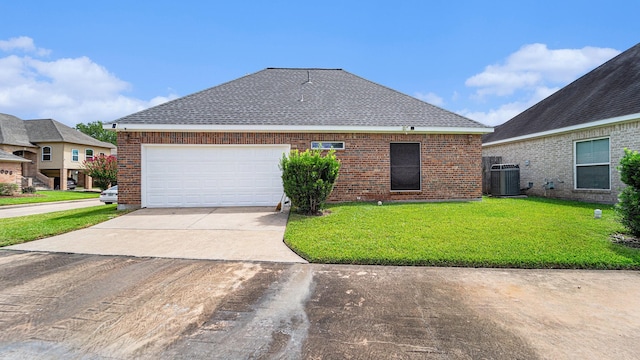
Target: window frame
{"x":419,"y":167}
{"x":89,"y":158}
{"x":317,"y":145}
{"x":75,"y":155}
{"x":49,"y":154}
{"x":576,"y":165}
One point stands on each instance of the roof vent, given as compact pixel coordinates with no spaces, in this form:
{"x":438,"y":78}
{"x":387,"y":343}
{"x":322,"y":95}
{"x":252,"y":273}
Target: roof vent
{"x":308,"y":81}
{"x":308,"y":78}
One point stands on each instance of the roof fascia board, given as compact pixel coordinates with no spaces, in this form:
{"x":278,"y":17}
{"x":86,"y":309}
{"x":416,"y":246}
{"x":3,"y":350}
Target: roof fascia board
{"x":598,"y":123}
{"x":299,"y":129}
{"x":13,"y":160}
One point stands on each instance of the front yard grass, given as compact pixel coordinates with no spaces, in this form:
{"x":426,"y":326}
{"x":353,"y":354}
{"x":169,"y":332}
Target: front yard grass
{"x":47,"y":196}
{"x":27,"y":228}
{"x":494,"y":232}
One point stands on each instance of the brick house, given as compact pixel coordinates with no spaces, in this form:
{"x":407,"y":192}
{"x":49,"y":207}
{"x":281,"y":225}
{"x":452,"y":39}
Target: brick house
{"x":11,"y":168}
{"x":569,"y":145}
{"x":222,"y":146}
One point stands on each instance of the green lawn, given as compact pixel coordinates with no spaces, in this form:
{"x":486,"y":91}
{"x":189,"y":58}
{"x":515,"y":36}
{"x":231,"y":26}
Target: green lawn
{"x":26,"y":228}
{"x":521,"y":233}
{"x":47,"y":196}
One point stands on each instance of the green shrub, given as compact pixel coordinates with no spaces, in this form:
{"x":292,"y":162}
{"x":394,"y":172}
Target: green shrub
{"x":29,"y":190}
{"x":630,"y":168}
{"x":628,"y":206}
{"x":308,"y":178}
{"x":8,"y":189}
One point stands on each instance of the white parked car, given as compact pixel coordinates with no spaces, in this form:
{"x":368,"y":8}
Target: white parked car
{"x":110,"y":195}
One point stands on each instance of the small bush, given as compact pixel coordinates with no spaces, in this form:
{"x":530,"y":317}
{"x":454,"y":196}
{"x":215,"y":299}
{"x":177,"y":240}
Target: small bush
{"x":628,"y":206}
{"x":29,"y":190}
{"x":630,"y":168}
{"x":8,"y":189}
{"x":308,"y":178}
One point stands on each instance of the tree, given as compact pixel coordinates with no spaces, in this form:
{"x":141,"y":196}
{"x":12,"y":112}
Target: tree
{"x":96,"y":131}
{"x":308,"y":178}
{"x":628,"y":206}
{"x":103,"y":170}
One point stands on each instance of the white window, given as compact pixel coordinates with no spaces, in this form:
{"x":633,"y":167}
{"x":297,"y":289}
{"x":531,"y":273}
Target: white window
{"x":88,"y":154}
{"x":592,"y":164}
{"x":75,"y":155}
{"x":327,"y":145}
{"x":46,"y":153}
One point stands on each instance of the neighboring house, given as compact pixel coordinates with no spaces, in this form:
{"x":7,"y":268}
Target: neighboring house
{"x":11,"y":168}
{"x":222,"y":146}
{"x":53,"y":151}
{"x":569,"y":144}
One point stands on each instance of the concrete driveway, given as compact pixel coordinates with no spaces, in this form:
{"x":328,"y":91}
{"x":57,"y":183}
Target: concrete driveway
{"x":246,"y":234}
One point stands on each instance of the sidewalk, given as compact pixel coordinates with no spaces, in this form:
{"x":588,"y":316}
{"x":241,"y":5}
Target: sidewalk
{"x":9,"y":211}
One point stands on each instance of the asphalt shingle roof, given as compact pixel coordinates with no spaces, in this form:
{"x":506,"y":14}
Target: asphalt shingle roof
{"x":611,"y":90}
{"x":13,"y":131}
{"x":6,"y":156}
{"x":18,"y":132}
{"x":48,"y":130}
{"x":300,"y":97}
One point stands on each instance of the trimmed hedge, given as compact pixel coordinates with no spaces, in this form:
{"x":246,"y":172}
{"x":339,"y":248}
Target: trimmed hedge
{"x":308,"y":178}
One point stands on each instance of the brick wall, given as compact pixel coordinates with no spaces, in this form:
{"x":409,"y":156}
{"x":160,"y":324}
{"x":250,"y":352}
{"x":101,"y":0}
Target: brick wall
{"x":451,"y":164}
{"x":551,"y":159}
{"x":11,"y":173}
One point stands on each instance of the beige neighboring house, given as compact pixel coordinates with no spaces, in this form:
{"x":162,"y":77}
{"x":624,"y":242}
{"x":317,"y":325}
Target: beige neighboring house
{"x":569,"y":145}
{"x":51,"y":152}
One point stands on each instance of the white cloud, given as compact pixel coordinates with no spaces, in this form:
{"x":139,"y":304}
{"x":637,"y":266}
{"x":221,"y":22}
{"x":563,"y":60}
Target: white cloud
{"x":431,"y":98}
{"x":535,"y":65}
{"x":529,"y":75}
{"x":70,"y":90}
{"x":494,"y":117}
{"x":22,"y":43}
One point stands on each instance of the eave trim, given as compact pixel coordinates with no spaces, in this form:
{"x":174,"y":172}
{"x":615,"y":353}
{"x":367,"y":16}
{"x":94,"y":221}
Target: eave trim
{"x":593,"y":124}
{"x":298,"y":129}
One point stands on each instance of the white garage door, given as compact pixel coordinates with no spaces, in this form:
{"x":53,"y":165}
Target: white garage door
{"x":211,"y":175}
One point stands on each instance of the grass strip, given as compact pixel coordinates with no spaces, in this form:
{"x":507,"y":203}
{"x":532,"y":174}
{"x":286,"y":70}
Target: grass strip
{"x":47,"y":196}
{"x":21,"y":229}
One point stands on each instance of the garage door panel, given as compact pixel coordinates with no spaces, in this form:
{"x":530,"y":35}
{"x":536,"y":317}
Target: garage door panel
{"x":200,"y":176}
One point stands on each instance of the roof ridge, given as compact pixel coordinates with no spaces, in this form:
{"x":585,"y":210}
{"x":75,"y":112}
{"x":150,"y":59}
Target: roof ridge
{"x":302,"y":68}
{"x":55,"y":125}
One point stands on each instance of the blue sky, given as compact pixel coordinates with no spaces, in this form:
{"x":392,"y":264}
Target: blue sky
{"x":82,"y":61}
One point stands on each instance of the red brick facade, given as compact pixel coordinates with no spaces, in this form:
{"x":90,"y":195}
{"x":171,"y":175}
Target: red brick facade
{"x":451,"y":164}
{"x":11,"y":173}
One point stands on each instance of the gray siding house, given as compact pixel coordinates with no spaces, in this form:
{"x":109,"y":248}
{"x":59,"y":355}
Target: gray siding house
{"x":569,"y":144}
